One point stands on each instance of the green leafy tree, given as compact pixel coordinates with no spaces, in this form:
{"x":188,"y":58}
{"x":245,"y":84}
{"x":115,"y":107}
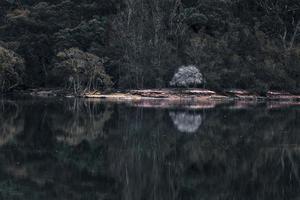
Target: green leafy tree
{"x":80,"y":70}
{"x":11,"y":70}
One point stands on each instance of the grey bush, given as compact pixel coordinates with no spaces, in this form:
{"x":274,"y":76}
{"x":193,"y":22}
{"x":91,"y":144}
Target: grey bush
{"x":187,"y":76}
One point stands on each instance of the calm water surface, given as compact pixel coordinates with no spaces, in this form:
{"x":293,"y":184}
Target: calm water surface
{"x":75,"y":149}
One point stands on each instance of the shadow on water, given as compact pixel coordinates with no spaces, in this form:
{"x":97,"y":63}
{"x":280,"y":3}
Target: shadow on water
{"x":76,"y":149}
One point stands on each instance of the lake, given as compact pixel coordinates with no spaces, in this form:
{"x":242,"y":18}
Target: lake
{"x":80,"y":149}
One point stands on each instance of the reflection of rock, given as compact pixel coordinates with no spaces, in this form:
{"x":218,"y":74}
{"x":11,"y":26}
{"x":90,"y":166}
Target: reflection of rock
{"x":186,"y":121}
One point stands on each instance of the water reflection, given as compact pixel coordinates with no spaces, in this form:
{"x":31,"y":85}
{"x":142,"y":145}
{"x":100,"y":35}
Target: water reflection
{"x":11,"y":123}
{"x":81,"y":121}
{"x":65,"y":149}
{"x":185,"y":121}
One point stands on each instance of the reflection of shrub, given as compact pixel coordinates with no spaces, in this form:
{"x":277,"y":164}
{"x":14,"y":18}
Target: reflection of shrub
{"x":11,"y":123}
{"x":11,"y":69}
{"x":85,"y":124}
{"x":186,"y":122}
{"x":187,"y":76}
{"x":80,"y":70}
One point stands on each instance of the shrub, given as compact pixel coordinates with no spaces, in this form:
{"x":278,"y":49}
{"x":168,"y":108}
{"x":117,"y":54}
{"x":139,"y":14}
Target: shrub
{"x":187,"y":76}
{"x":80,"y":70}
{"x":11,"y":70}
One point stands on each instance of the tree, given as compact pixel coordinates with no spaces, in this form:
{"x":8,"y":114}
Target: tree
{"x":148,"y":35}
{"x":11,"y":70}
{"x":286,"y":18}
{"x":187,"y":76}
{"x":80,"y":70}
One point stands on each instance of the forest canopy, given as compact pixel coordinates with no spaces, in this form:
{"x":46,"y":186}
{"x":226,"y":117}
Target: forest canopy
{"x":245,"y":44}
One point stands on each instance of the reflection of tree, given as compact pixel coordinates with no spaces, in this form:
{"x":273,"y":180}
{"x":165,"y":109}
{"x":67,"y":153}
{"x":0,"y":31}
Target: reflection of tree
{"x":185,"y":121}
{"x":137,"y":149}
{"x":85,"y":122}
{"x":11,"y":123}
{"x":231,"y":161}
{"x":251,"y":154}
{"x":244,"y":154}
{"x":38,"y":166}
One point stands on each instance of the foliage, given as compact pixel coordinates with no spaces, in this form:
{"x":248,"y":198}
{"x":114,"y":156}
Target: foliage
{"x":80,"y":70}
{"x":247,"y":44}
{"x":187,"y":76}
{"x":11,"y":69}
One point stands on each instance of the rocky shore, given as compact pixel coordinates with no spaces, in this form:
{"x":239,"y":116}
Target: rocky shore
{"x":167,"y":94}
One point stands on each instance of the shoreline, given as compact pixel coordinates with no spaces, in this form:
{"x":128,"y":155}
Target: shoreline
{"x":195,"y":99}
{"x":189,"y":95}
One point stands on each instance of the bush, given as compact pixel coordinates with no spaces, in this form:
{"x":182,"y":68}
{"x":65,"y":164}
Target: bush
{"x":80,"y":70}
{"x":11,"y":70}
{"x":187,"y":76}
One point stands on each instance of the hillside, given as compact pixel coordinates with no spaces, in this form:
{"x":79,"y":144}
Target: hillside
{"x":138,"y":44}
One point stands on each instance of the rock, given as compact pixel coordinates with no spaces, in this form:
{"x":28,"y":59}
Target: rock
{"x":200,"y":92}
{"x":274,"y":93}
{"x":282,"y":96}
{"x":236,"y":92}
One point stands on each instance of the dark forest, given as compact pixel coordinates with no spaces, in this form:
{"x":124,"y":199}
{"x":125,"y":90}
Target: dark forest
{"x":138,"y":44}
